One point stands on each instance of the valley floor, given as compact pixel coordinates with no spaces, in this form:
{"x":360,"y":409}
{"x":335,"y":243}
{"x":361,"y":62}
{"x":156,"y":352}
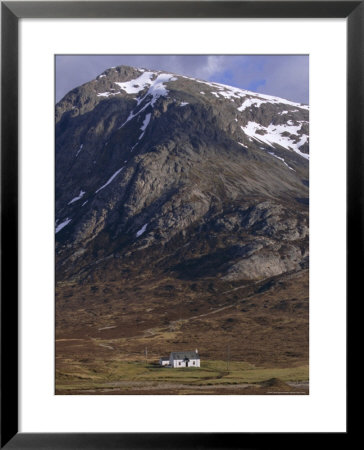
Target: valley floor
{"x":214,"y":377}
{"x":252,"y":340}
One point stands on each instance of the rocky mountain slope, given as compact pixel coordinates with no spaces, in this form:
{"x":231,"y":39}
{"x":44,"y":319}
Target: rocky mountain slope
{"x":181,"y":221}
{"x":147,"y":159}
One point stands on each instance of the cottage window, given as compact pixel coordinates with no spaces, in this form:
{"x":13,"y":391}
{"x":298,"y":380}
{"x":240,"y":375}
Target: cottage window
{"x":179,"y":363}
{"x":193,"y":363}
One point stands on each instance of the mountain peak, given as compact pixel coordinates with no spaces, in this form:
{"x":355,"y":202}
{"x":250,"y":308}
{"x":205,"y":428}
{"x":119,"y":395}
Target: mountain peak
{"x":143,"y":156}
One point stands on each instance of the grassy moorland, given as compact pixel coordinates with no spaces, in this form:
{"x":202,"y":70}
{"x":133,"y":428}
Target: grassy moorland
{"x":124,"y":377}
{"x":263,"y":332}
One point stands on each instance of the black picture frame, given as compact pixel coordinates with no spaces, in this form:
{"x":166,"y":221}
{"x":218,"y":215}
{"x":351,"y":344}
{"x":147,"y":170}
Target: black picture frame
{"x":11,"y":12}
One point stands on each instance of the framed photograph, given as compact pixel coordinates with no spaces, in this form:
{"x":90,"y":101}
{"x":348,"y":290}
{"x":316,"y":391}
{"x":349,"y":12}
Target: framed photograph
{"x":201,"y":251}
{"x":181,"y":221}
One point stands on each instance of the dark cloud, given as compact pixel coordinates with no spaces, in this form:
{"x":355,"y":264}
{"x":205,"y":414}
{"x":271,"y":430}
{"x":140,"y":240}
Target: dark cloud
{"x":285,"y":76}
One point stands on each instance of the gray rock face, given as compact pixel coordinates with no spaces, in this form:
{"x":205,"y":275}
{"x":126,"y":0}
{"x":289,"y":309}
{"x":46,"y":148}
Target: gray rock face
{"x":271,"y":261}
{"x":146,"y":160}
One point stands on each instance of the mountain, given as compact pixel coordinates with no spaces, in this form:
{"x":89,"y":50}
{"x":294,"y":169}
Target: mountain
{"x":176,"y":197}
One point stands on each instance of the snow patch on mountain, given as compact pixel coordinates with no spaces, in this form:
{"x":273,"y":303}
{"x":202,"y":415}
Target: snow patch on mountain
{"x":142,"y":230}
{"x":281,"y":159}
{"x":158,"y":89}
{"x":156,"y":84}
{"x":62,"y":225}
{"x":248,"y":103}
{"x":144,"y":126}
{"x":146,"y":122}
{"x":106,"y":94}
{"x":154,"y":81}
{"x":260,"y":99}
{"x":132,"y":115}
{"x":230,"y":92}
{"x":283,"y":135}
{"x":80,"y":195}
{"x":138,"y":84}
{"x":110,"y":180}
{"x":78,"y":151}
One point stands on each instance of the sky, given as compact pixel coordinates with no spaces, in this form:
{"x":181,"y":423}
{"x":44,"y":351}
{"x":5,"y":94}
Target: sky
{"x":285,"y":76}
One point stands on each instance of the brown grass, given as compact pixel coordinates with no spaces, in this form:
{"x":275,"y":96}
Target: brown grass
{"x":97,"y":324}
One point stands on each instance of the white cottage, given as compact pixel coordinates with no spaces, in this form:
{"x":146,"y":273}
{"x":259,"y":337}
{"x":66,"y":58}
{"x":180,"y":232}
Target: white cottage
{"x":164,"y":361}
{"x":184,"y":359}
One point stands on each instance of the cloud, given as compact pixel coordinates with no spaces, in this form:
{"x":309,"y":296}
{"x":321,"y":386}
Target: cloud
{"x":281,"y":75}
{"x":285,"y":76}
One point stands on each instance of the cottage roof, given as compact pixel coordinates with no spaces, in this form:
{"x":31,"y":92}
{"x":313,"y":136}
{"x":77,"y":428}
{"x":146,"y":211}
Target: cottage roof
{"x":165,"y":358}
{"x":183,"y":355}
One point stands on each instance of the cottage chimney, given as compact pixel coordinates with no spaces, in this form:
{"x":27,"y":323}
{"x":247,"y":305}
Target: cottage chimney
{"x":196,"y":351}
